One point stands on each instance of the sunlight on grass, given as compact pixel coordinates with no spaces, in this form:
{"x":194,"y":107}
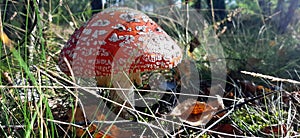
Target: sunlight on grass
{"x":38,"y":100}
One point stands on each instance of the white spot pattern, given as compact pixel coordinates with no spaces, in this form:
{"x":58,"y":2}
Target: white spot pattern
{"x":120,"y":27}
{"x":152,"y":44}
{"x":141,"y":28}
{"x":101,"y":23}
{"x":87,"y":31}
{"x":114,"y":38}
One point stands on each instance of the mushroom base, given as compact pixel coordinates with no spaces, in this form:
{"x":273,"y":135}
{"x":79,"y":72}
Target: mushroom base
{"x":120,"y":96}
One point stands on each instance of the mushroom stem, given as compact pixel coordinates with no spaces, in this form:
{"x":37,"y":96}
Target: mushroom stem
{"x":103,"y":81}
{"x":106,"y":81}
{"x":136,"y":77}
{"x":121,"y":96}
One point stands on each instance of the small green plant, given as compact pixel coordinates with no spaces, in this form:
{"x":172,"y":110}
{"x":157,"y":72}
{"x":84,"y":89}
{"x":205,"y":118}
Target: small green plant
{"x":34,"y":102}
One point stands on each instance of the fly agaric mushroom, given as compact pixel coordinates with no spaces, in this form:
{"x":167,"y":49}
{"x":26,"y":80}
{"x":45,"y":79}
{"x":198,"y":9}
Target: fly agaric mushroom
{"x":118,"y":40}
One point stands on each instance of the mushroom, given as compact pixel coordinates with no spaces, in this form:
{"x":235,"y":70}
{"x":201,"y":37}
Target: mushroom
{"x":115,"y":41}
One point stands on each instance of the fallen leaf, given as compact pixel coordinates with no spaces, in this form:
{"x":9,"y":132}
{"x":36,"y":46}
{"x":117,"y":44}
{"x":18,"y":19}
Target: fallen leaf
{"x":119,"y":133}
{"x":199,"y":108}
{"x":275,"y":129}
{"x":227,"y":128}
{"x":80,"y":119}
{"x":81,"y":132}
{"x":101,"y":135}
{"x":250,"y":89}
{"x":78,"y":115}
{"x":196,"y":113}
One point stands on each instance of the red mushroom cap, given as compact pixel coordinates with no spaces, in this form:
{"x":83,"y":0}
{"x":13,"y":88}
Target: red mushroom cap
{"x":119,"y":39}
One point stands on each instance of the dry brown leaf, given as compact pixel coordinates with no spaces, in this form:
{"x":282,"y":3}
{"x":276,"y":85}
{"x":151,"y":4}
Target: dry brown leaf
{"x":227,"y":128}
{"x":81,"y":132}
{"x":274,"y":130}
{"x":250,"y":89}
{"x":101,"y":135}
{"x":119,"y":133}
{"x":194,"y":112}
{"x":79,"y":118}
{"x":78,"y":115}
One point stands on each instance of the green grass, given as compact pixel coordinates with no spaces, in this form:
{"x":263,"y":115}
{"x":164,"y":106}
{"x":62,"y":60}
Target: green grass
{"x":251,"y":46}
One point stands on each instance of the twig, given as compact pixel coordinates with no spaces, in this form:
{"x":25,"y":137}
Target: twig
{"x":65,"y":123}
{"x":131,"y":109}
{"x":236,"y":106}
{"x":105,"y":88}
{"x":12,"y":126}
{"x":270,"y":77}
